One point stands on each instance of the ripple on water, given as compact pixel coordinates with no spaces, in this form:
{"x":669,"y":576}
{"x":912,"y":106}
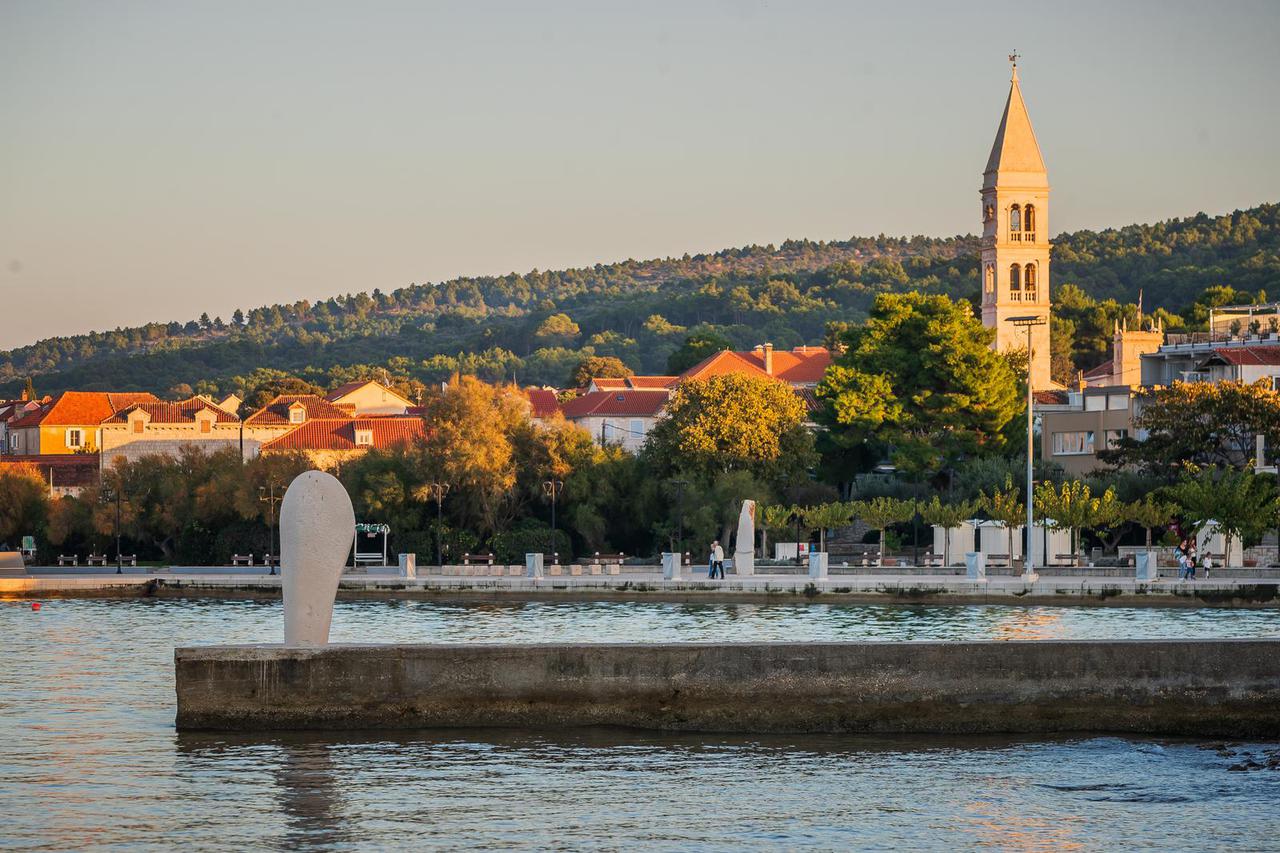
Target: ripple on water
{"x":91,"y":758}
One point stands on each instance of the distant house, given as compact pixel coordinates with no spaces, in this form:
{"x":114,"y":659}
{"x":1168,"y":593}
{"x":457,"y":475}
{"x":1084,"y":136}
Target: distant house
{"x":617,"y":417}
{"x":633,"y":383}
{"x":368,"y":397}
{"x":66,"y":474}
{"x":331,"y":441}
{"x":69,"y":423}
{"x":159,"y":428}
{"x":285,"y":413}
{"x":13,"y":410}
{"x":544,"y":404}
{"x":802,"y":367}
{"x":1247,"y":364}
{"x":1076,"y":425}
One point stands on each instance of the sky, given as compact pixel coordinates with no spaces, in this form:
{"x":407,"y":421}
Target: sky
{"x":162,"y":159}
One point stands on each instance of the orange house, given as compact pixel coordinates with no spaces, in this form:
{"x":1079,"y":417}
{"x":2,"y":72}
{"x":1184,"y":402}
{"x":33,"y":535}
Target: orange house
{"x":69,"y":423}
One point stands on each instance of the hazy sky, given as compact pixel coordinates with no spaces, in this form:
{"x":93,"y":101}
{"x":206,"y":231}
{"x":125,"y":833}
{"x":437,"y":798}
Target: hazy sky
{"x":162,"y":159}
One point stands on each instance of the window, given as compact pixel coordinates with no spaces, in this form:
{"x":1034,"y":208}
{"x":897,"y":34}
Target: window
{"x":206,"y":426}
{"x":1072,"y":443}
{"x":138,"y":425}
{"x":1095,"y":403}
{"x":1114,"y":436}
{"x":364,"y":438}
{"x":1015,"y":218}
{"x":1015,"y":277}
{"x":991,"y":278}
{"x":988,"y":213}
{"x":1118,"y":402}
{"x":608,"y":431}
{"x":1029,"y":219}
{"x":75,"y":438}
{"x":298,"y":415}
{"x":637,"y":429}
{"x":1030,"y":274}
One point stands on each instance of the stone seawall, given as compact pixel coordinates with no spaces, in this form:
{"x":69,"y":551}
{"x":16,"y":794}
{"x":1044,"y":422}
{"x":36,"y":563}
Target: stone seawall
{"x":1208,"y":688}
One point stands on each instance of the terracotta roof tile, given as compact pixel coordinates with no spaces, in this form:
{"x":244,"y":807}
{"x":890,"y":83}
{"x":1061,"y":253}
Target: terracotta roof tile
{"x":276,"y":412}
{"x":339,"y":433}
{"x":1256,"y":356}
{"x":632,"y":403}
{"x":182,"y":412}
{"x":67,"y":469}
{"x":634,"y":382}
{"x":543,"y":402}
{"x":800,"y":366}
{"x":82,"y":408}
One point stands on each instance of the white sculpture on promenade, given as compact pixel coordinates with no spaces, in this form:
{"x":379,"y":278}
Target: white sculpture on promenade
{"x":744,"y":547}
{"x":317,"y":529}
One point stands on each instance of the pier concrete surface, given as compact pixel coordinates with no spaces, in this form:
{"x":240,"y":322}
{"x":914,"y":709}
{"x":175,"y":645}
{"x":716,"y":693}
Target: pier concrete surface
{"x":1206,"y":688}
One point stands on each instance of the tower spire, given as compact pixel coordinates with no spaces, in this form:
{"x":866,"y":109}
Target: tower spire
{"x":1013,"y":60}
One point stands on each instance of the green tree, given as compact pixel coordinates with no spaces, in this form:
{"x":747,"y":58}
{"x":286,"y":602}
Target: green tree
{"x":1239,"y":503}
{"x":1202,"y":424}
{"x":24,"y":503}
{"x":598,"y":367}
{"x":826,"y":517}
{"x":1073,"y":507}
{"x":1149,"y":514}
{"x":880,"y":513}
{"x":558,"y":330}
{"x":733,"y":423}
{"x":695,"y":348}
{"x":1005,"y":507}
{"x":920,"y":377}
{"x":948,"y":516}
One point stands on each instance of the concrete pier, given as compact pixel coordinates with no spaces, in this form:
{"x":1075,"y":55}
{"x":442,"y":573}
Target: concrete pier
{"x":1207,"y":688}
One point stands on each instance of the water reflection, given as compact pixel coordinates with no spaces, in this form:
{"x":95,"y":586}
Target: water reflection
{"x":90,"y":756}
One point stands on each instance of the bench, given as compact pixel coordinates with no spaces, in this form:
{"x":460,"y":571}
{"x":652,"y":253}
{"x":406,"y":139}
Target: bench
{"x":64,"y":560}
{"x":95,"y":560}
{"x":128,"y":560}
{"x":477,"y":559}
{"x":242,"y":559}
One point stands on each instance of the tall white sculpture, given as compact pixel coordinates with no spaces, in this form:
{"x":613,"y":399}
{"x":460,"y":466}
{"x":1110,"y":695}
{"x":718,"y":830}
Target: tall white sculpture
{"x":317,"y":528}
{"x":744,"y":547}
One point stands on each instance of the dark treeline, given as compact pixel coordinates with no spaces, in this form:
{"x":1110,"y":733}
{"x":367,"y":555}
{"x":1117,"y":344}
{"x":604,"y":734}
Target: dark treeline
{"x":537,"y":326}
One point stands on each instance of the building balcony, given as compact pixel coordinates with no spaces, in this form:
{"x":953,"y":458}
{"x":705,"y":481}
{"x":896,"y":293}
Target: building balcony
{"x":1023,"y":296}
{"x":1022,"y":236}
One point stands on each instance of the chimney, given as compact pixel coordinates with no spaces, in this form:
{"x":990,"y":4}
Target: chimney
{"x":768,"y":359}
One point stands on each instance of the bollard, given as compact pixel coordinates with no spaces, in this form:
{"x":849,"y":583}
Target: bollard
{"x":975,"y":564}
{"x":670,"y":566}
{"x":1146,"y":565}
{"x":533,"y":565}
{"x":818,"y":565}
{"x":408,"y":565}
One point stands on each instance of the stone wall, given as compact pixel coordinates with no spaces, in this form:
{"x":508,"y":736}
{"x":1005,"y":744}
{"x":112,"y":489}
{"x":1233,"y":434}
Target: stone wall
{"x":1207,"y":688}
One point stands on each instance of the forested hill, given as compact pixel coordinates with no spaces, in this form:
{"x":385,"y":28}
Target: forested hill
{"x":536,"y":326}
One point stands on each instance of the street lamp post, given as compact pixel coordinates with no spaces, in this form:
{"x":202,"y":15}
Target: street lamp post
{"x":438,"y":491}
{"x":1028,"y":562}
{"x":116,"y":495}
{"x":679,"y":485}
{"x":552,"y":489}
{"x":269,"y":498}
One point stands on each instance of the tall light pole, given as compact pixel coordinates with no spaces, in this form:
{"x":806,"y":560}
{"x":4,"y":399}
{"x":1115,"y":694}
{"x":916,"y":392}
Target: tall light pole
{"x":1028,"y":561}
{"x":270,"y":499}
{"x":552,"y":488}
{"x":438,"y":491}
{"x":116,"y":494}
{"x":679,"y":487}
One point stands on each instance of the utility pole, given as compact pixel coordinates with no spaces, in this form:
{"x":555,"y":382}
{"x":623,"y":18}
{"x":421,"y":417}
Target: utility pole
{"x":438,"y":491}
{"x":680,"y":486}
{"x":270,"y":499}
{"x":552,"y":489}
{"x":1028,"y":557}
{"x":115,"y":494}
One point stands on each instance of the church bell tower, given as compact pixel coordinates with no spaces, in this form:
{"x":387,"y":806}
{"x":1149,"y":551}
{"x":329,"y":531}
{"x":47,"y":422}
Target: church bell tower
{"x":1015,"y":236}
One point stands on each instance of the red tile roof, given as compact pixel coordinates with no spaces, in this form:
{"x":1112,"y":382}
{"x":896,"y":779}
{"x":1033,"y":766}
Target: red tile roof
{"x":800,"y":366}
{"x":276,"y":413}
{"x":1264,"y":355}
{"x":68,"y":470}
{"x":1052,"y":398}
{"x":81,"y":408}
{"x":543,"y":402}
{"x":182,"y":412}
{"x":634,"y":382}
{"x":340,"y":433}
{"x":346,"y":388}
{"x":630,"y":403}
{"x":1104,"y":369}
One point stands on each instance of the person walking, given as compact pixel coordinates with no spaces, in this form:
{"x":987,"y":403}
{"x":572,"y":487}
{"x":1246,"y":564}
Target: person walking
{"x":1206,"y":563}
{"x":1191,"y":562}
{"x":1181,"y":554}
{"x":717,"y":560}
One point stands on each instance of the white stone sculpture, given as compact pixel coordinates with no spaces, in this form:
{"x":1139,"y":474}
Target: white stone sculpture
{"x":744,"y":547}
{"x":317,"y":529}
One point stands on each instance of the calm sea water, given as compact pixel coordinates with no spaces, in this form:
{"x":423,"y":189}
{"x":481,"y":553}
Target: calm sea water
{"x":89,"y":756}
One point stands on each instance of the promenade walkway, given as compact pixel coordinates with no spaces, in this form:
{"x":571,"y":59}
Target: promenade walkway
{"x":1087,"y":590}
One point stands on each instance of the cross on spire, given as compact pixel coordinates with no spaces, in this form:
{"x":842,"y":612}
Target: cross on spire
{"x":1013,"y":60}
